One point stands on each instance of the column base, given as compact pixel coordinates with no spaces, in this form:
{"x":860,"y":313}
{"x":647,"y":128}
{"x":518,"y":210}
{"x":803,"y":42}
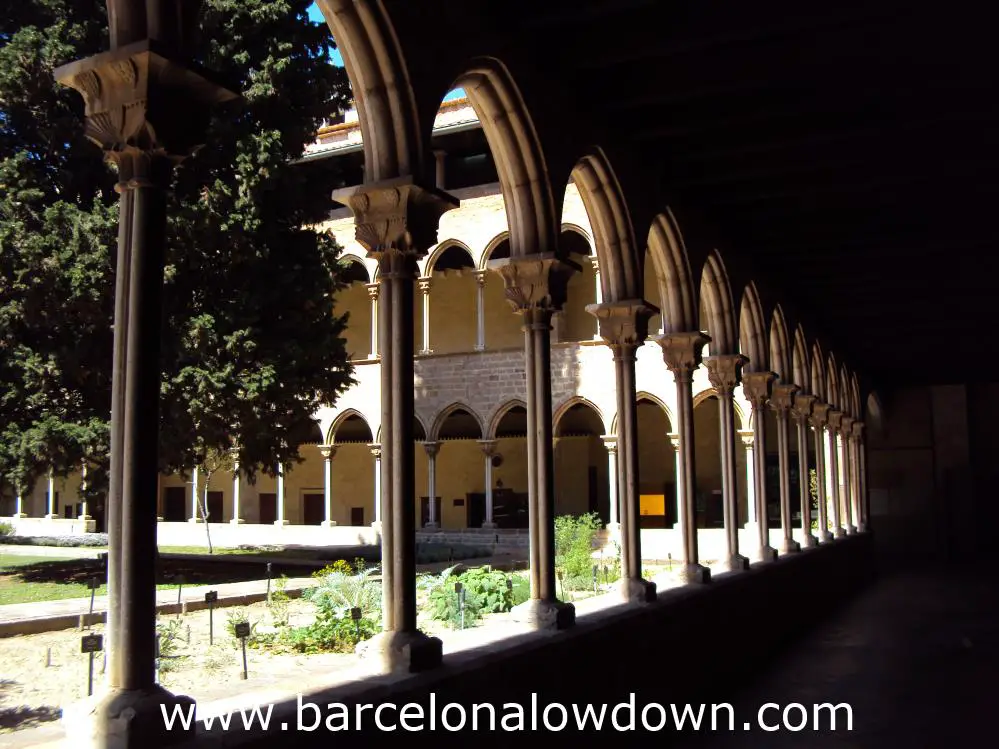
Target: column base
{"x":50,"y":516}
{"x":396,"y":652}
{"x":19,"y":515}
{"x":809,"y":541}
{"x":737,"y":563}
{"x":377,"y":525}
{"x":541,"y":614}
{"x":85,"y":518}
{"x":236,"y":521}
{"x":637,"y":591}
{"x":767,"y":554}
{"x":127,"y":719}
{"x":280,"y":523}
{"x":328,"y":524}
{"x":861,"y":528}
{"x":425,"y":352}
{"x":489,"y":525}
{"x":839,"y":533}
{"x":825,"y":537}
{"x":694,"y":574}
{"x":479,"y":347}
{"x":790,"y":546}
{"x":851,"y":530}
{"x":432,"y":526}
{"x":194,"y":520}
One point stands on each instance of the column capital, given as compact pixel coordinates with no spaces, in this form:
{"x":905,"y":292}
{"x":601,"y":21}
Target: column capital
{"x":372,"y":291}
{"x":820,"y":414}
{"x":432,"y":448}
{"x":725,"y":371}
{"x":757,"y":387}
{"x":488,"y":447}
{"x":480,"y":276}
{"x":623,"y":323}
{"x":425,"y":284}
{"x":132,"y":95}
{"x":595,"y":263}
{"x":858,"y":431}
{"x":802,"y":409}
{"x":396,"y":220}
{"x":327,"y":451}
{"x":835,"y":420}
{"x":537,"y":281}
{"x":747,"y":437}
{"x":782,"y":398}
{"x":674,"y":440}
{"x":682,"y":352}
{"x":376,"y":449}
{"x":846,"y":426}
{"x":610,"y":442}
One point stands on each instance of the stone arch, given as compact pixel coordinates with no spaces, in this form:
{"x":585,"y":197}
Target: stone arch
{"x":342,"y":418}
{"x":780,"y":350}
{"x":753,"y":330}
{"x":818,"y":379}
{"x":715,"y":307}
{"x":455,"y":407}
{"x":500,"y":413}
{"x":386,"y":106}
{"x":447,"y":244}
{"x":520,"y":163}
{"x":493,"y":245}
{"x":613,"y":237}
{"x":799,"y":361}
{"x":845,"y":395}
{"x":672,"y":267}
{"x":832,"y":384}
{"x":858,"y":411}
{"x":647,"y":397}
{"x":568,"y":404}
{"x":577,"y":229}
{"x":354,"y":267}
{"x":704,"y":395}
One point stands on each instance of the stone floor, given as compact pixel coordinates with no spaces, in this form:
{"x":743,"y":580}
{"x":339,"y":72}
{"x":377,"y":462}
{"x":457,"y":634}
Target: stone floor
{"x":916,"y":656}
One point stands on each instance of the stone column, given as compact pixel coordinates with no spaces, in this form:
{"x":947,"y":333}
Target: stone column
{"x":599,"y":294}
{"x":480,"y":310}
{"x":682,"y":355}
{"x":535,"y":286}
{"x":328,"y":452}
{"x":376,"y":451}
{"x":195,"y":502}
{"x":280,"y":497}
{"x":819,"y":419}
{"x":373,"y":296}
{"x":610,"y":444}
{"x":396,"y":222}
{"x":426,"y":283}
{"x":678,"y":495}
{"x":84,"y":514}
{"x":50,"y":498}
{"x":835,"y":418}
{"x":724,"y":372}
{"x":19,"y":508}
{"x":488,"y":451}
{"x":800,"y":413}
{"x":782,"y":401}
{"x":432,"y":448}
{"x":747,"y":443}
{"x":846,"y":436}
{"x":237,"y":517}
{"x":147,"y":111}
{"x":623,"y":327}
{"x":860,"y":461}
{"x":440,"y":158}
{"x":756,"y":386}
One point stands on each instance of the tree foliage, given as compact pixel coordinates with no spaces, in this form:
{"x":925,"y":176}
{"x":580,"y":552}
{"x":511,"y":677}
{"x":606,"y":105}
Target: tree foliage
{"x":250,"y":346}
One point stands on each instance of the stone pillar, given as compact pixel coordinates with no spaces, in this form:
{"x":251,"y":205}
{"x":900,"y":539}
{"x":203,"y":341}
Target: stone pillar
{"x":396,"y":222}
{"x":678,"y":495}
{"x":800,"y":413}
{"x":373,"y":296}
{"x":747,"y":443}
{"x":195,"y":502}
{"x":756,"y":386}
{"x":425,"y":285}
{"x":599,"y":294}
{"x":488,"y":451}
{"x":147,"y":111}
{"x":682,"y":355}
{"x":280,"y":497}
{"x":819,"y":419}
{"x":860,"y":497}
{"x":610,"y":443}
{"x":480,"y":310}
{"x":535,"y":286}
{"x":84,"y":514}
{"x":724,"y":372}
{"x":237,"y":517}
{"x":50,"y":513}
{"x":376,"y":452}
{"x":623,"y":327}
{"x":782,"y":401}
{"x":432,"y":448}
{"x":835,"y":418}
{"x":846,"y":435}
{"x":440,"y":159}
{"x":328,"y":452}
{"x":19,"y":508}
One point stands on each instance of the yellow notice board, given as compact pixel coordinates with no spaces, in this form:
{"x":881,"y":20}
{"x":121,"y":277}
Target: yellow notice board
{"x":652,"y":504}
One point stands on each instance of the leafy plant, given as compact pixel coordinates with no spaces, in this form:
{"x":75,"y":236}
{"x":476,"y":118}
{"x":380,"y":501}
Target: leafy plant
{"x":168,"y":633}
{"x":6,"y":529}
{"x":337,"y":593}
{"x":279,"y":604}
{"x":486,"y":592}
{"x":574,"y":549}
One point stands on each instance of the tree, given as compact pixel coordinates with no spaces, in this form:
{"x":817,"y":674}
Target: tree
{"x":250,"y":346}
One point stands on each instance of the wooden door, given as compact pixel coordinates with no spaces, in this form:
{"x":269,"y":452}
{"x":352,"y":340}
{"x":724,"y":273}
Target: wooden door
{"x":174,"y":501}
{"x":357,"y":516}
{"x":314,"y":506}
{"x":268,"y":508}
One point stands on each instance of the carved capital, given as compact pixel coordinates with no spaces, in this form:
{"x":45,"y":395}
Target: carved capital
{"x":802,"y":407}
{"x":835,"y":420}
{"x":425,"y":283}
{"x":372,"y":291}
{"x":820,"y":414}
{"x":757,"y":386}
{"x":846,"y":426}
{"x":396,"y":220}
{"x":432,"y":448}
{"x":327,"y":451}
{"x":610,"y":443}
{"x":480,"y":277}
{"x":858,"y":431}
{"x":623,"y":323}
{"x":747,"y":438}
{"x":376,"y":450}
{"x":595,"y":263}
{"x":682,"y":352}
{"x":782,"y":398}
{"x":725,"y":371}
{"x":488,"y":447}
{"x":142,"y":106}
{"x":535,"y":282}
{"x":674,"y":441}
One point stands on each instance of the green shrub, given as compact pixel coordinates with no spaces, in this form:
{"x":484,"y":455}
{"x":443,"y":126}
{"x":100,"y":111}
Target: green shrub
{"x":337,"y":592}
{"x":6,"y":529}
{"x":169,"y":639}
{"x":486,"y":592}
{"x":85,"y":540}
{"x":574,"y":549}
{"x":521,"y":590}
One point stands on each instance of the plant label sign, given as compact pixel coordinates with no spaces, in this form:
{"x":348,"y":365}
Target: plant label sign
{"x":211,"y":596}
{"x":92,"y":643}
{"x":93,"y":583}
{"x":242,"y":630}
